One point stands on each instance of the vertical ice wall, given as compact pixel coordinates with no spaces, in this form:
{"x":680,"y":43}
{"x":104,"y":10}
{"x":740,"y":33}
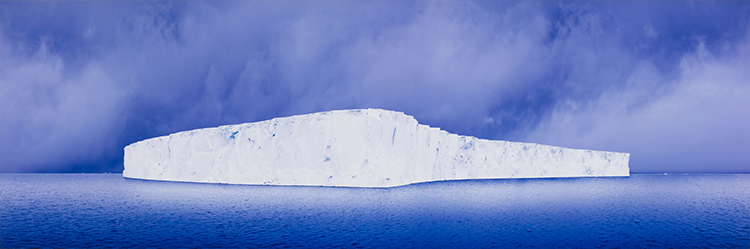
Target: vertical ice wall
{"x":357,"y":148}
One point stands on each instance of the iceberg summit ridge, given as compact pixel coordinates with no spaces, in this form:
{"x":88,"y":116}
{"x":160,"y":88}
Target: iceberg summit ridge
{"x":352,"y":148}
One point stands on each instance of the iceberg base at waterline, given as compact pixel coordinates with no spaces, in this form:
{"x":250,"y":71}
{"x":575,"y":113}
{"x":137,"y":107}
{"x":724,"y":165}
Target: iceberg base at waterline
{"x":352,"y":148}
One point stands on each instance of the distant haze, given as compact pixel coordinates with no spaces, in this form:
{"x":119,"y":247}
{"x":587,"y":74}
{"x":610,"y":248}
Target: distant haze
{"x":668,"y":82}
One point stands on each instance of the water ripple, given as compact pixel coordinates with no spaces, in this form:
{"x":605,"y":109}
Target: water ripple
{"x":105,"y":210}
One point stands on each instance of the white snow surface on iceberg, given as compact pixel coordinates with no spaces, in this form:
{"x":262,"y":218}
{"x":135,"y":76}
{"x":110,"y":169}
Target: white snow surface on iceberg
{"x":353,"y":148}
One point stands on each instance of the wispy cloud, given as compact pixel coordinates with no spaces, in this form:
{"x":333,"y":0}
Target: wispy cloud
{"x":693,"y":123}
{"x":664,"y":81}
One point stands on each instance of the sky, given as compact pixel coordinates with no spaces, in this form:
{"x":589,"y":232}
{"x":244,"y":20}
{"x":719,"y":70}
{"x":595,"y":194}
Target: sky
{"x":668,"y":82}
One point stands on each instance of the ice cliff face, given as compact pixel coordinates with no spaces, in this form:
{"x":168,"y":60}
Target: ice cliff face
{"x":355,"y":148}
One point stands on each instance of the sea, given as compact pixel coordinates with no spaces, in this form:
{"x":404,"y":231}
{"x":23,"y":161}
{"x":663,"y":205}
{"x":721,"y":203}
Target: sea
{"x":643,"y":210}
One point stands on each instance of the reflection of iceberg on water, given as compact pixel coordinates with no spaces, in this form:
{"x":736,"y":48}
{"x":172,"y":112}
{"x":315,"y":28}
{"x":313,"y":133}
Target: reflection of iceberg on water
{"x":355,"y":148}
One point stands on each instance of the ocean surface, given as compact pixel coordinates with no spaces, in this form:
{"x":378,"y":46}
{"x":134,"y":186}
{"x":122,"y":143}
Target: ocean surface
{"x":644,"y":210}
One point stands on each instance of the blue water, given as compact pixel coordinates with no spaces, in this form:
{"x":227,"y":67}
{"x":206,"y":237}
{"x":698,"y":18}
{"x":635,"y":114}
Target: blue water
{"x":105,"y":210}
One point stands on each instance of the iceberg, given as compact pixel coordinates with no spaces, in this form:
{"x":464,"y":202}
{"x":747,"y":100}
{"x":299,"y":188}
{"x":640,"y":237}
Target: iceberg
{"x":352,"y":148}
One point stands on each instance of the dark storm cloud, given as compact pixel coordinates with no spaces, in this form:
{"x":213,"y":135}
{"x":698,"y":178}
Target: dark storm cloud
{"x":664,"y":81}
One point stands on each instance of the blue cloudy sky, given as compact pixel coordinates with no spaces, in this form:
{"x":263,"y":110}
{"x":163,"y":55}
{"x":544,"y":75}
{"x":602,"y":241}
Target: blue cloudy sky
{"x":668,"y":82}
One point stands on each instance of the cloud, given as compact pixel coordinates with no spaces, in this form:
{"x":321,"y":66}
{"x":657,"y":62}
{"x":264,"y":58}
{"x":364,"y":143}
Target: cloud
{"x":50,"y":119}
{"x":696,"y":122}
{"x":660,"y":80}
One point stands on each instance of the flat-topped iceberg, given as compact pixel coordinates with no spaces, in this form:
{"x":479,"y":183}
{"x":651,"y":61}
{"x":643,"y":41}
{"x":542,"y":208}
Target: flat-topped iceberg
{"x":353,"y":148}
